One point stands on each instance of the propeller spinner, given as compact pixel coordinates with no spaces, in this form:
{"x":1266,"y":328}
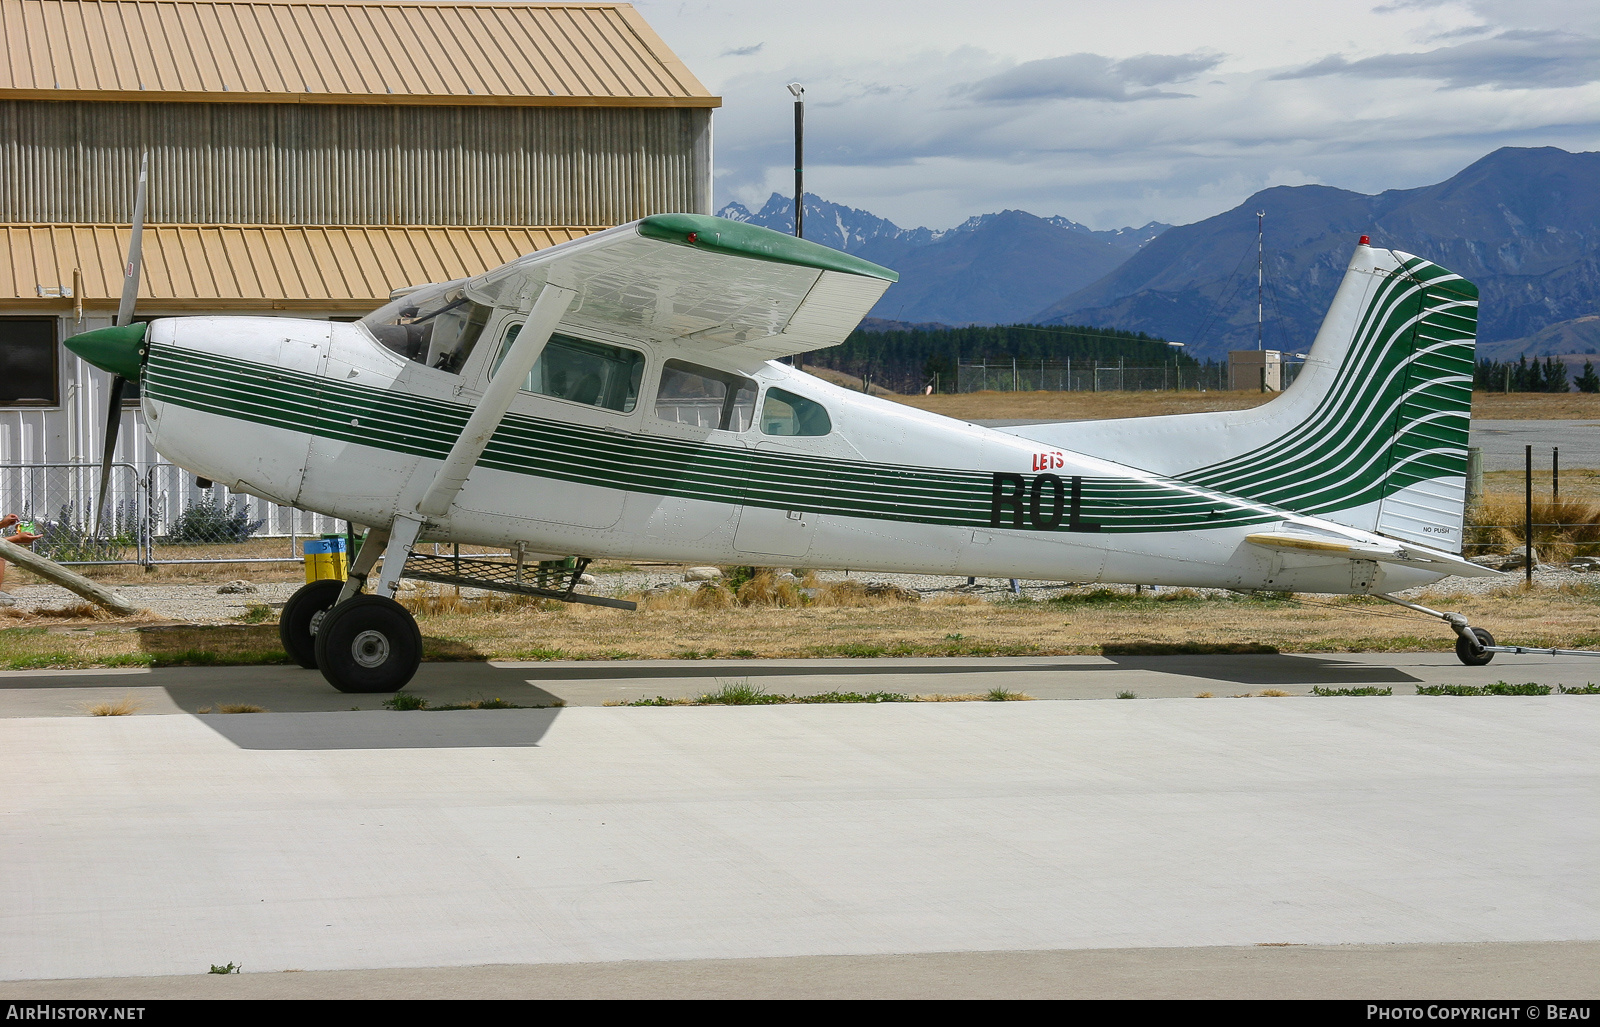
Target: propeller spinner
{"x":120,"y":348}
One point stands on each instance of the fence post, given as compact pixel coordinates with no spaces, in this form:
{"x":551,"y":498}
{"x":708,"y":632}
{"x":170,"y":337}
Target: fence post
{"x":1474,"y":476}
{"x":1527,"y":513}
{"x":1555,"y":474}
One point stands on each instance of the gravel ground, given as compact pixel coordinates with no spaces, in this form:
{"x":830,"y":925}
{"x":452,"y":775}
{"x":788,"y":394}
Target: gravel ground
{"x":203,"y":604}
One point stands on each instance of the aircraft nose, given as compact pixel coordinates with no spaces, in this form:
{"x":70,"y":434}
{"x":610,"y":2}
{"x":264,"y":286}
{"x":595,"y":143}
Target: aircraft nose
{"x":118,"y":350}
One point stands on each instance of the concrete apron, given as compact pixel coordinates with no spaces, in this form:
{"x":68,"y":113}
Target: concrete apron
{"x":313,"y":841}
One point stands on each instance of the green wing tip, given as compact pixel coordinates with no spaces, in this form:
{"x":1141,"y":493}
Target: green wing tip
{"x":703,"y":231}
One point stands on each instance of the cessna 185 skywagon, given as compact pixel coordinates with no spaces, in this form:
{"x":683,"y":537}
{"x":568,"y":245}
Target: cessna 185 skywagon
{"x":619,"y":396}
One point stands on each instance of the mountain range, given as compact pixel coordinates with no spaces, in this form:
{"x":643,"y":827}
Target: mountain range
{"x":990,"y":269}
{"x":1522,"y":223}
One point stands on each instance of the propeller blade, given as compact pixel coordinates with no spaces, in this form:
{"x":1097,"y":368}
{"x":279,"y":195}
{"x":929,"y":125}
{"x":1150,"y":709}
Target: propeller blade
{"x":130,"y":281}
{"x":113,"y":422}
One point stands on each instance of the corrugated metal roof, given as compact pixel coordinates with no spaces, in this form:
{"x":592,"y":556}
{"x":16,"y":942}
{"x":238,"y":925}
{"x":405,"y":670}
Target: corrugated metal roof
{"x":394,"y":52}
{"x":218,"y":268}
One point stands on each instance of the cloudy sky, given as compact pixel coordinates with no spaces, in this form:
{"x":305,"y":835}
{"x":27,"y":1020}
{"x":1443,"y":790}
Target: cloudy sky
{"x":1119,"y":113}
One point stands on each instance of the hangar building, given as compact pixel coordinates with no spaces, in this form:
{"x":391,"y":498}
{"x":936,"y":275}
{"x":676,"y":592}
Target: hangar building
{"x":306,"y":159}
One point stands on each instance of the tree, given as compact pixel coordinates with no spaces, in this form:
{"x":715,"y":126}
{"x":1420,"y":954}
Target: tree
{"x":1588,"y":381}
{"x":1555,"y":376}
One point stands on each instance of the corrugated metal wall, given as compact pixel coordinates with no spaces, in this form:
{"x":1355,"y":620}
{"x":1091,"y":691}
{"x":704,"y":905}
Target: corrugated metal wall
{"x":321,"y":164}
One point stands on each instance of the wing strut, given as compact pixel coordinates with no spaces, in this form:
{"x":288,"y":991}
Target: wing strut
{"x":491,"y":409}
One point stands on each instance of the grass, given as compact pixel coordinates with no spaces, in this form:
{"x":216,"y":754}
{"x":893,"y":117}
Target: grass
{"x":258,"y":613}
{"x":406,"y":701}
{"x":241,"y":707}
{"x":127,"y":706}
{"x":230,"y":968}
{"x":1072,"y":406}
{"x":1082,"y":621}
{"x":746,"y":693}
{"x":1367,"y":690}
{"x":1126,"y":695}
{"x":1498,"y":688}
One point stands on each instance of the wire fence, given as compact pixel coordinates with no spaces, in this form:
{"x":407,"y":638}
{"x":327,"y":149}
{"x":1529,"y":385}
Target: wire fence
{"x":158,"y":514}
{"x":1092,"y":376}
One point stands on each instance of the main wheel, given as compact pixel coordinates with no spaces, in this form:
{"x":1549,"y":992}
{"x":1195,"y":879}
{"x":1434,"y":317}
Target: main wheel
{"x":302,"y":614}
{"x":369,"y":644}
{"x":1465,"y":653}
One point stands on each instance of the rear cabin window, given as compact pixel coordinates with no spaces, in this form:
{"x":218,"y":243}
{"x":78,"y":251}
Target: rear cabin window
{"x":784,"y":413}
{"x":28,"y":363}
{"x":581,"y":371}
{"x":705,"y":398}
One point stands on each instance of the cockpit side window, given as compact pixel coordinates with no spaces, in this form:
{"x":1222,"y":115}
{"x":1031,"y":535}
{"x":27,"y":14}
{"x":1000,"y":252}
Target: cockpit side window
{"x":784,"y":413}
{"x":581,"y":371}
{"x":437,"y":326}
{"x":705,"y":398}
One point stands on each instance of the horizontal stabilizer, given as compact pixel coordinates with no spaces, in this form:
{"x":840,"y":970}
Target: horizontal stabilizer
{"x":1383,"y":552}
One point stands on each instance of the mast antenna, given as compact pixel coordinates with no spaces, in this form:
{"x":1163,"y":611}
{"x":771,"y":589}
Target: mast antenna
{"x":1260,"y":214}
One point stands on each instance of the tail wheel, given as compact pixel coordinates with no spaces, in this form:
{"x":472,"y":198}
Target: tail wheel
{"x":1466,"y":653}
{"x":369,"y":644}
{"x":302,"y":615}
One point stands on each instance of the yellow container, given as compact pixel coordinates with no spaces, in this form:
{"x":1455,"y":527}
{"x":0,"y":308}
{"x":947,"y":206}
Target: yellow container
{"x":325,"y":562}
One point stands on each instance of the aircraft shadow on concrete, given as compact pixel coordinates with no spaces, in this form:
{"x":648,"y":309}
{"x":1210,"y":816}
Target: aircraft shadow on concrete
{"x":1259,"y":669}
{"x":416,"y":729}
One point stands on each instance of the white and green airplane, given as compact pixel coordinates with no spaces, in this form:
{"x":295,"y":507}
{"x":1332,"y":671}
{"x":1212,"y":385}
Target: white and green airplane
{"x":620,"y":397}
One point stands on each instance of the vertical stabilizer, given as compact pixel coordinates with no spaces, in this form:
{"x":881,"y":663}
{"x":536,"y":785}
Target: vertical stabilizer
{"x":1373,"y":432}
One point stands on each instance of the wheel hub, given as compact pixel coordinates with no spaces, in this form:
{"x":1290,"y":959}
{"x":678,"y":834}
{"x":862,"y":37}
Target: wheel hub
{"x":370,"y":648}
{"x":316,"y":621}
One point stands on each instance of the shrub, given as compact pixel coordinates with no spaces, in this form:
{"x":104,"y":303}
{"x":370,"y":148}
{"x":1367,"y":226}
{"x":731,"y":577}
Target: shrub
{"x":208,"y":521}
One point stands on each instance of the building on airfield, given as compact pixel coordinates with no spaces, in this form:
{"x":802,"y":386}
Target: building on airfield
{"x":306,"y":159}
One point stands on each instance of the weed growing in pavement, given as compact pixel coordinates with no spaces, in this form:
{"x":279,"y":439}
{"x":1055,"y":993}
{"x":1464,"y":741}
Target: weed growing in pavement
{"x":1126,"y":695}
{"x":1001,"y":695}
{"x":231,"y":968}
{"x":124,"y":707}
{"x":1498,"y":688}
{"x":241,"y":707}
{"x":1368,"y":690}
{"x":406,"y":701}
{"x":1273,"y":693}
{"x":1590,"y":689}
{"x":1204,"y":695}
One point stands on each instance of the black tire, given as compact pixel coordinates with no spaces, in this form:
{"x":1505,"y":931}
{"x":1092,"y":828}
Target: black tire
{"x":1474,"y":658}
{"x":369,"y":644}
{"x":300,"y":617}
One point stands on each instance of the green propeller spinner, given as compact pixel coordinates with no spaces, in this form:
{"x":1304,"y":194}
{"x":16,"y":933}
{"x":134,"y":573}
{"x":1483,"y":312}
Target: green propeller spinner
{"x":118,"y":349}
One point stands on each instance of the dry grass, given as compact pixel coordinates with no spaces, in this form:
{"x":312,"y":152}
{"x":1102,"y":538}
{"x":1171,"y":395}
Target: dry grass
{"x":1535,"y":406}
{"x":241,"y":707}
{"x":669,"y":627}
{"x":1562,"y":529}
{"x":1078,"y":406}
{"x":127,"y":706}
{"x":1075,"y":406}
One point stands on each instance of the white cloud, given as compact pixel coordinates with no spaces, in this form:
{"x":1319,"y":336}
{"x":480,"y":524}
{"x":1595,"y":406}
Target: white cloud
{"x":929,"y":112}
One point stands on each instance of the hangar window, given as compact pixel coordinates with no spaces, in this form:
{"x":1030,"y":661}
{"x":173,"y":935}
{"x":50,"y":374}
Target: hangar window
{"x":581,"y":371}
{"x":436,"y":325}
{"x":784,"y":413}
{"x":691,"y":394}
{"x":28,"y":363}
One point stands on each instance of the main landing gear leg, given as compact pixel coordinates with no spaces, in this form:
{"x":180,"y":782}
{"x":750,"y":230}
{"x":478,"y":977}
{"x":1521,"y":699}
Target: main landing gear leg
{"x":1472,"y":644}
{"x":370,"y":643}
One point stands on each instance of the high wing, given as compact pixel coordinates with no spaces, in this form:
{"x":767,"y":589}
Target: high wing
{"x":746,"y":292}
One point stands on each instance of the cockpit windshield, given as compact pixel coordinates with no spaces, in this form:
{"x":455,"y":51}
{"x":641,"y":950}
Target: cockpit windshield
{"x":436,"y":325}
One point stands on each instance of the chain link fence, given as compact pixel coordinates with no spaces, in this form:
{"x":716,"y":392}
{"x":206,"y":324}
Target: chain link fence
{"x":153,"y":515}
